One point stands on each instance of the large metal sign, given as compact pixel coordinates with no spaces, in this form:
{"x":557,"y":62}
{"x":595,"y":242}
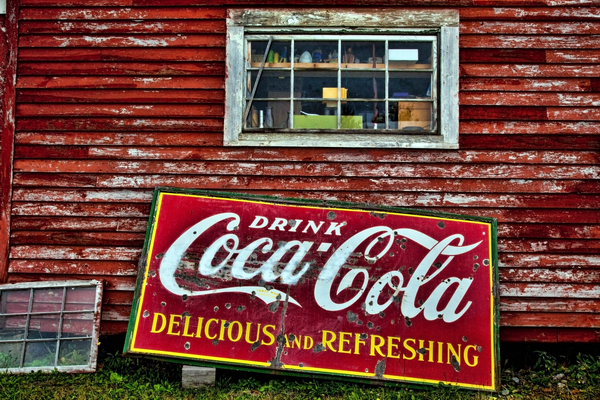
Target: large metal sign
{"x":382,"y":294}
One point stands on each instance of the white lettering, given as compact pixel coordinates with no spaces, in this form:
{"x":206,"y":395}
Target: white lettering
{"x":335,"y":227}
{"x":314,"y":226}
{"x":279,"y":223}
{"x":259,"y":222}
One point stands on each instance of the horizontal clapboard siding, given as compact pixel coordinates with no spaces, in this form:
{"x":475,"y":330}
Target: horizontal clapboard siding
{"x":114,"y":100}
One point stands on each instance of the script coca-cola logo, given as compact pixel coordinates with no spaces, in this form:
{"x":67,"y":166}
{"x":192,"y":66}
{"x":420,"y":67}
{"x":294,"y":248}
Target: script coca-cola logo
{"x":237,"y":259}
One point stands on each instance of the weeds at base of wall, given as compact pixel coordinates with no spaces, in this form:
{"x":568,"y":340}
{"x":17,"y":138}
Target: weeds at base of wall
{"x":550,"y":376}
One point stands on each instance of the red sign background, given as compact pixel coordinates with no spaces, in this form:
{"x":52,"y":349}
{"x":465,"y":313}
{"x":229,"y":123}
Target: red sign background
{"x":339,"y":291}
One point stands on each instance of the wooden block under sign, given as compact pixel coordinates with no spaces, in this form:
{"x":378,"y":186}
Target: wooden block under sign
{"x":196,"y":377}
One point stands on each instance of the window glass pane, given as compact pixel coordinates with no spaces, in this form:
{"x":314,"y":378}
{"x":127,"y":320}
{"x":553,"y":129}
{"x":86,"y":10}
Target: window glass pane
{"x":15,"y":301}
{"x":367,"y":84}
{"x":10,"y":355}
{"x":406,"y":54}
{"x":74,"y":352}
{"x":362,"y":52}
{"x":279,"y":53}
{"x":372,"y":114}
{"x":410,"y":85}
{"x":78,"y":325}
{"x":316,"y":52}
{"x":13,"y":327}
{"x":413,"y":115}
{"x":43,"y":326}
{"x":272,"y":84}
{"x":272,"y":114}
{"x":39,"y":354}
{"x":47,"y":300}
{"x":80,"y":299}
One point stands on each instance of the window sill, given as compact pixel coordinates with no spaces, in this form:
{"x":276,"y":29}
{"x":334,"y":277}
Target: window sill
{"x":361,"y":140}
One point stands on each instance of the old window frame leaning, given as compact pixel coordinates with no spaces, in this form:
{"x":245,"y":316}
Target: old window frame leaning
{"x":394,"y":22}
{"x":50,"y":304}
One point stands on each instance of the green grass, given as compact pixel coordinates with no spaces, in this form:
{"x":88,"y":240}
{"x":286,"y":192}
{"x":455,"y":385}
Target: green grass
{"x":549,"y":377}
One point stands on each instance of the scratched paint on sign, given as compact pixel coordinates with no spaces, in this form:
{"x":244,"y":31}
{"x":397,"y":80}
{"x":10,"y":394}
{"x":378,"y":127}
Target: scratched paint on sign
{"x":373,"y":294}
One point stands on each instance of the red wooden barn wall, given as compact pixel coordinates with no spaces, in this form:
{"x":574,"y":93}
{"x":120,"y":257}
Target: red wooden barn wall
{"x":115,"y":97}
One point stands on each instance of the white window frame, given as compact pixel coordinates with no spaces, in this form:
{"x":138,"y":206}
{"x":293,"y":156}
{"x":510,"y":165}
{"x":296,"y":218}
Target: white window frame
{"x":393,"y":21}
{"x":61,"y":287}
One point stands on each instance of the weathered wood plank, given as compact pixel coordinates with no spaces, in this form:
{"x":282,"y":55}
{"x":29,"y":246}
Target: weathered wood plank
{"x":164,"y":154}
{"x":564,"y":320}
{"x":299,"y":183}
{"x":558,"y":246}
{"x":398,"y":185}
{"x":578,"y":335}
{"x":114,"y":139}
{"x":529,"y":113}
{"x":530,"y":41}
{"x":526,"y":260}
{"x":79,"y":224}
{"x":81,"y":209}
{"x":123,"y":54}
{"x":530,"y":127}
{"x":113,"y":327}
{"x":129,"y":41}
{"x":551,"y":290}
{"x":533,"y":13}
{"x":128,"y":110}
{"x":62,"y":267}
{"x":573,"y":56}
{"x":554,"y":275}
{"x":122,"y":27}
{"x":508,"y":304}
{"x":549,"y":335}
{"x":122,"y":124}
{"x":235,"y":3}
{"x":503,"y":113}
{"x":112,"y":312}
{"x":530,"y":28}
{"x":574,"y":113}
{"x":60,"y":12}
{"x":539,"y":335}
{"x":405,"y":170}
{"x":122,"y":96}
{"x":526,"y":85}
{"x":526,"y":99}
{"x":82,"y":195}
{"x":423,"y":199}
{"x":549,"y":231}
{"x":550,"y":216}
{"x":114,"y":297}
{"x":122,"y":68}
{"x":111,"y":282}
{"x":75,"y":252}
{"x":503,"y":56}
{"x":530,"y":142}
{"x":530,"y":70}
{"x":126,"y":82}
{"x":77,"y":238}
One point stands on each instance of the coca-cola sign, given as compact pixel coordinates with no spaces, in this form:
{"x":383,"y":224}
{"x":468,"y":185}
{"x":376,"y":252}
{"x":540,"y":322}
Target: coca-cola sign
{"x":382,"y":294}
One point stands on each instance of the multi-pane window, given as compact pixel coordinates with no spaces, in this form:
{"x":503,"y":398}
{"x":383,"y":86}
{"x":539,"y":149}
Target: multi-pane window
{"x":49,"y":325}
{"x":332,"y":83}
{"x":342,"y":78}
